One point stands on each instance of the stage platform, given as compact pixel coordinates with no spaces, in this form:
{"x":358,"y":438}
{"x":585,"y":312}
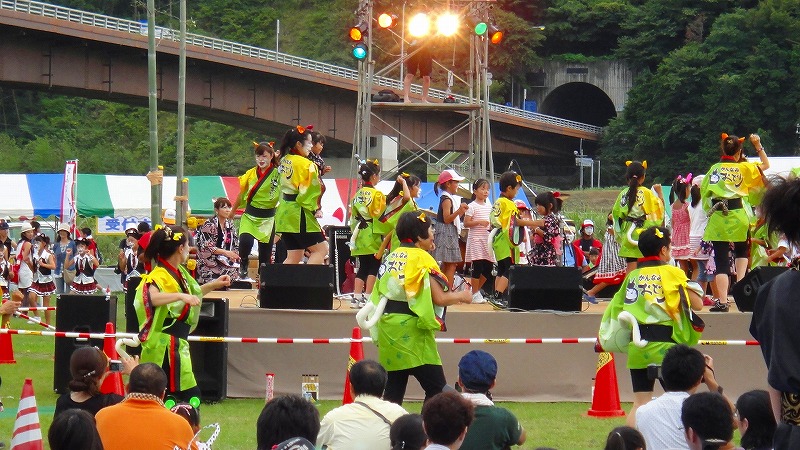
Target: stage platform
{"x":527,"y":372}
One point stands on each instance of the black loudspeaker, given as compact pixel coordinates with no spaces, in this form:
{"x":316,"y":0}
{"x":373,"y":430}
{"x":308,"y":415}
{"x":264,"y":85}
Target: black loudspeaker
{"x":83,"y":314}
{"x":296,"y":286}
{"x":210,"y":359}
{"x":745,"y":291}
{"x":339,"y":252}
{"x":541,"y":287}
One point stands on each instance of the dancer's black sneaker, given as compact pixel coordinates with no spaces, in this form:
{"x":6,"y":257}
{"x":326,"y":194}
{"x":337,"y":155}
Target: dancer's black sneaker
{"x":719,"y":306}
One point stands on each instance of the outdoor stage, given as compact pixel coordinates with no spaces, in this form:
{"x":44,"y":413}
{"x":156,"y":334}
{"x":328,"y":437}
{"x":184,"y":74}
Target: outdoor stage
{"x":527,"y":372}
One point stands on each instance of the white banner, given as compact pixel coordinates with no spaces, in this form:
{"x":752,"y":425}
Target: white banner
{"x":118,"y":225}
{"x":69,"y":197}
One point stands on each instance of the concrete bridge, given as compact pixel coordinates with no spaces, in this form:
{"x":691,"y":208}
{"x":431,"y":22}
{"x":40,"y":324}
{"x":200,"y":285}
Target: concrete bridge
{"x":66,"y":51}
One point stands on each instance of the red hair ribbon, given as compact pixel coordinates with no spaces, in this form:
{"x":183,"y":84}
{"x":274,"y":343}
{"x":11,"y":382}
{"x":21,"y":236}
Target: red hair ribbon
{"x":556,"y":194}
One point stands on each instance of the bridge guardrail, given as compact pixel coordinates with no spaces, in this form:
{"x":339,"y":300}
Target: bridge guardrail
{"x":131,"y":26}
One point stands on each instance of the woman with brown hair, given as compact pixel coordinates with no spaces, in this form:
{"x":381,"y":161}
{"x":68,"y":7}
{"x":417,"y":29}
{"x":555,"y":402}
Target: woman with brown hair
{"x":89,"y":367}
{"x":218,"y":244}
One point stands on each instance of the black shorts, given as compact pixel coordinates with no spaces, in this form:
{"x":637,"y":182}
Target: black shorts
{"x":482,"y":267}
{"x":640,"y":381}
{"x":302,"y":241}
{"x":502,"y":266}
{"x":367,"y":265}
{"x":421,"y":61}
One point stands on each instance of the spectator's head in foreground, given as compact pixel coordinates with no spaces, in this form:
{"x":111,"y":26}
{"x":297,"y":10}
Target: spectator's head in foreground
{"x":477,"y":371}
{"x":286,"y":417}
{"x":682,"y":369}
{"x":625,"y":438}
{"x":74,"y":429}
{"x":368,"y":377}
{"x":445,"y":417}
{"x":407,"y":433}
{"x":707,"y":421}
{"x":148,"y":378}
{"x":755,"y":418}
{"x":88,"y":366}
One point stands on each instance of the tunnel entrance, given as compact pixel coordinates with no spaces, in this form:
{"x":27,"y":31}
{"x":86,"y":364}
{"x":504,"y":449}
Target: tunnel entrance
{"x":581,"y":102}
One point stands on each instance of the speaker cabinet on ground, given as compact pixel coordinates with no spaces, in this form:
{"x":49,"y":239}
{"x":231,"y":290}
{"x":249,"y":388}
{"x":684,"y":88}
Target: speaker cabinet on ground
{"x":131,"y":321}
{"x":296,"y":286}
{"x":83,"y":314}
{"x":745,"y":291}
{"x":339,"y":252}
{"x":540,"y":287}
{"x":210,"y":359}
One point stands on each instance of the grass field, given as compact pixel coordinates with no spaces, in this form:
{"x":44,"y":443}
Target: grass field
{"x":558,"y":425}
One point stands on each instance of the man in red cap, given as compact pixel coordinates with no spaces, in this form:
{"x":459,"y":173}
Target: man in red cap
{"x":586,"y":242}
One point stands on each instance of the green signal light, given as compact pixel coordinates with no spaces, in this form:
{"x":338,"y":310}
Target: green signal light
{"x":360,"y":52}
{"x":481,"y":28}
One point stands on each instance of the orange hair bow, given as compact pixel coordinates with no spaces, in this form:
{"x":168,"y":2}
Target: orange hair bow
{"x":271,"y":144}
{"x":644,"y":163}
{"x":725,"y":136}
{"x":519,"y":178}
{"x":255,"y":144}
{"x":422,"y":218}
{"x":301,"y":129}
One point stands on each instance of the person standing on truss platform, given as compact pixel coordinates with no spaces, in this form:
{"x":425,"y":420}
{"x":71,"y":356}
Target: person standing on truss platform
{"x":421,"y":60}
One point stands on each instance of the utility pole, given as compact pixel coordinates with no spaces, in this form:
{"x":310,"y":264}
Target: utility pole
{"x":181,"y":206}
{"x":155,"y":188}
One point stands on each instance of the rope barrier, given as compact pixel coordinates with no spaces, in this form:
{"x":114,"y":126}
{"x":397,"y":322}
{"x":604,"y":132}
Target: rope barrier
{"x":257,"y":340}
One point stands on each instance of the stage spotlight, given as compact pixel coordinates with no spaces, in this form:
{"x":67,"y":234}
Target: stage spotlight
{"x":387,"y":20}
{"x":495,"y":34}
{"x":420,"y":25}
{"x":447,"y":24}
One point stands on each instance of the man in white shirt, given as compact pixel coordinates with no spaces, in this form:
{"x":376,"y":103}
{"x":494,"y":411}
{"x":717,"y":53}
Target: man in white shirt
{"x":682,"y":371}
{"x":363,"y":424}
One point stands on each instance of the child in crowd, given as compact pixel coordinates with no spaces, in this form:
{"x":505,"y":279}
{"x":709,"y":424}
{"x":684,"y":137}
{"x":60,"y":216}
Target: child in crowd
{"x":448,"y":223}
{"x":611,"y":269}
{"x":594,"y":257}
{"x":85,"y":265}
{"x":506,"y":235}
{"x":699,"y":253}
{"x":546,"y":230}
{"x":399,"y":200}
{"x":659,"y":297}
{"x":476,"y":219}
{"x":526,"y":245}
{"x":681,"y":222}
{"x":367,"y":206}
{"x":637,"y":208}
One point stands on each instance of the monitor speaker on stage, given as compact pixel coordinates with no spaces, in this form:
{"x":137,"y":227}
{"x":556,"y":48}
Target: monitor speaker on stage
{"x":339,"y":251}
{"x":210,"y":359}
{"x":296,"y":286}
{"x":83,"y":314}
{"x":745,"y":291}
{"x":544,"y":288}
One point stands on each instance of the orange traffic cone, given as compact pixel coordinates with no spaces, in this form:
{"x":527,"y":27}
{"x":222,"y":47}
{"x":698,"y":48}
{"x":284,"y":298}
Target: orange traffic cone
{"x":6,"y":349}
{"x":27,"y":432}
{"x":113,"y":382}
{"x":356,"y":355}
{"x":605,"y":398}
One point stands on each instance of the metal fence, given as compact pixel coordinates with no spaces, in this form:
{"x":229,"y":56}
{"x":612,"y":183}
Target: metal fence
{"x":162,"y":33}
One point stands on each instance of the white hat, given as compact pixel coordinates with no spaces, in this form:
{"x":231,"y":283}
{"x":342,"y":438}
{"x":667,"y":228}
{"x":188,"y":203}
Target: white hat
{"x":25,"y":227}
{"x":448,"y":175}
{"x":169,"y":216}
{"x":587,"y":223}
{"x":65,"y":227}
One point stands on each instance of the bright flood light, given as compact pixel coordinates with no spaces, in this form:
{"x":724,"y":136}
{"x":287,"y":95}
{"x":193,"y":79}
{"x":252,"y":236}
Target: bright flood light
{"x":447,"y":24}
{"x":420,"y":25}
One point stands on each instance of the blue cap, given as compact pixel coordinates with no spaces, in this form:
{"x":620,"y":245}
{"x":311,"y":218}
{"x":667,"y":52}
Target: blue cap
{"x":477,"y":370}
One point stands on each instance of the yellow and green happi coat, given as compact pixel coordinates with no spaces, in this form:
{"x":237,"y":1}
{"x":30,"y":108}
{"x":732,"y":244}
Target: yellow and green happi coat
{"x":259,"y":220}
{"x":647,"y":211}
{"x":368,"y":206}
{"x":655,"y":294}
{"x":301,"y":191}
{"x":407,"y":340}
{"x":388,"y":221}
{"x":728,"y":180}
{"x":158,"y":325}
{"x":503,"y":216}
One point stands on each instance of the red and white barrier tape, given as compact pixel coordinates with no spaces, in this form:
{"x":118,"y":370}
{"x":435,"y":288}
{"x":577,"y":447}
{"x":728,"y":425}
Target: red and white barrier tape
{"x":254,"y":340}
{"x":35,"y":320}
{"x":36,"y":308}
